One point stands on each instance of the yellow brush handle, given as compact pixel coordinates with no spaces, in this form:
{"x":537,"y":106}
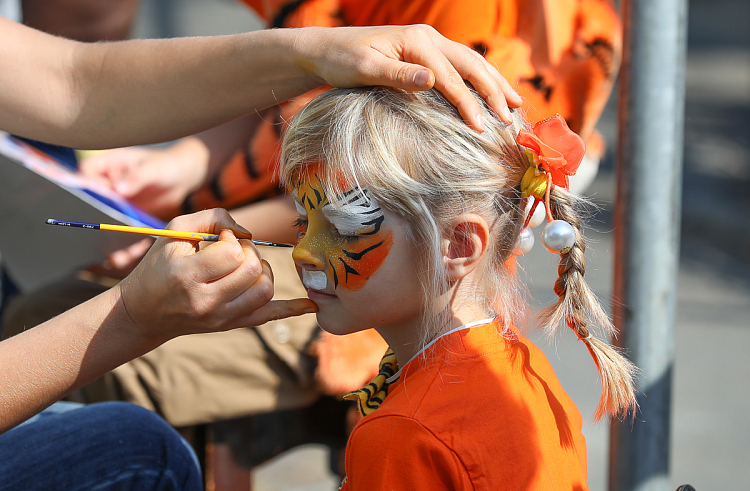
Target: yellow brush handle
{"x":173,"y":234}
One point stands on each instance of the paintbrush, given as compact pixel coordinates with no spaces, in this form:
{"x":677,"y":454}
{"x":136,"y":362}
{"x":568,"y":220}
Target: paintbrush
{"x":156,"y":232}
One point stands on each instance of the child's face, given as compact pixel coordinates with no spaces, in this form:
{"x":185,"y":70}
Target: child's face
{"x":355,"y":261}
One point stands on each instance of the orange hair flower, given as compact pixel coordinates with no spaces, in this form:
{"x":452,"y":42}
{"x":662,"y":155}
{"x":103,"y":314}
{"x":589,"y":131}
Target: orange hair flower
{"x":556,"y":152}
{"x":559,"y":150}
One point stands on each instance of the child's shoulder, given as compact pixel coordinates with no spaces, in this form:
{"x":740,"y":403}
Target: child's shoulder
{"x":468,"y":373}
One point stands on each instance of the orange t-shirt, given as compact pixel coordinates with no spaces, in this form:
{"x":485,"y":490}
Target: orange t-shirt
{"x":481,"y":411}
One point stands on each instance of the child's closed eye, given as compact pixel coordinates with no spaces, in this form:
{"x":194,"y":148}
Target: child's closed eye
{"x":347,"y":239}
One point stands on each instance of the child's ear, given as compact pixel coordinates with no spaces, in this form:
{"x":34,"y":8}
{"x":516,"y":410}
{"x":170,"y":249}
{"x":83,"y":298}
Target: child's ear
{"x":465,"y":246}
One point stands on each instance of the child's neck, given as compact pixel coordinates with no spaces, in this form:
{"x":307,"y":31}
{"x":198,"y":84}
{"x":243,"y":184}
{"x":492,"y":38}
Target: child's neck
{"x":407,"y":341}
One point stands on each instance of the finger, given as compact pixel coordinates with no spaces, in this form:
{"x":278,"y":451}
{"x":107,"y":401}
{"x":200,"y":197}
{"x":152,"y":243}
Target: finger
{"x":245,"y":297}
{"x":492,"y":86}
{"x":488,"y":75}
{"x":220,"y":259}
{"x":383,"y":70}
{"x":207,"y":221}
{"x":448,"y":61}
{"x":254,"y":275}
{"x":454,"y":62}
{"x":449,"y":82}
{"x":94,"y":165}
{"x":130,"y":182}
{"x":485,"y":79}
{"x":275,"y":310}
{"x":98,"y":168}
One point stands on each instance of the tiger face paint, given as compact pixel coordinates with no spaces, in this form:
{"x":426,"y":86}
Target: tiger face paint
{"x":346,"y":240}
{"x":358,"y":264}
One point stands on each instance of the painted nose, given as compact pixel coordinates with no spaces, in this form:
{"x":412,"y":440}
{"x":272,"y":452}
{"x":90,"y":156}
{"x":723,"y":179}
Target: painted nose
{"x":304,"y":256}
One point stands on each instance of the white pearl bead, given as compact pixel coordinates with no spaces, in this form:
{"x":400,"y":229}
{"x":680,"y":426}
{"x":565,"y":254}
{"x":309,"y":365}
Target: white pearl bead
{"x":525,"y":241}
{"x":558,"y":237}
{"x":540,"y":213}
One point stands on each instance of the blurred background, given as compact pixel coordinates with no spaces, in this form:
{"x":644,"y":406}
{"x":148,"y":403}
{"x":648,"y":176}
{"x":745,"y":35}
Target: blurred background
{"x":710,"y":437}
{"x":710,"y":422}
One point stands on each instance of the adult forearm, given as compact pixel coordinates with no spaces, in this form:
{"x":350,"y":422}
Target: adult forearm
{"x":118,"y":94}
{"x":133,"y":92}
{"x":43,"y":364}
{"x":155,"y":90}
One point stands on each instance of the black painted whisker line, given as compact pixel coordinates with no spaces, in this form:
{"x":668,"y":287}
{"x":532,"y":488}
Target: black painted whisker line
{"x":356,"y":256}
{"x":318,"y":196}
{"x":348,"y":270}
{"x":335,"y":276}
{"x":377,"y":223}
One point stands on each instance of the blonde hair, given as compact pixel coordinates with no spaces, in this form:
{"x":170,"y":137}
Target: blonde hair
{"x":414,"y":155}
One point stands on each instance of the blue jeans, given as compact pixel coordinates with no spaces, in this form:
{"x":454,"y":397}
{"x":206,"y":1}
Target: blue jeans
{"x":106,"y":446}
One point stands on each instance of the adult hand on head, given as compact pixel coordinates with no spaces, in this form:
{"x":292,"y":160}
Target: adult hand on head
{"x":156,"y":180}
{"x":179,"y":288}
{"x":412,"y":58}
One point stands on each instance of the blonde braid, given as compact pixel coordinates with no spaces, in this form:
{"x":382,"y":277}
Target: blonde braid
{"x":579,"y":308}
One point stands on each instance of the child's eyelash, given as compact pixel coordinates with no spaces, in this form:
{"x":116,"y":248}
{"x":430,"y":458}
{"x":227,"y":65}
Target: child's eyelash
{"x":300,"y":222}
{"x":349,"y":239}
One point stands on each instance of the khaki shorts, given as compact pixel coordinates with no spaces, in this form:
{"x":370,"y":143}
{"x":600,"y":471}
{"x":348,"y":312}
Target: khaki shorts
{"x":199,"y":378}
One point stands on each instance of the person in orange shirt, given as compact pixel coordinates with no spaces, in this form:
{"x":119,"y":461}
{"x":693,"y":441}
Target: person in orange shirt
{"x":406,"y":222}
{"x":561,"y":56}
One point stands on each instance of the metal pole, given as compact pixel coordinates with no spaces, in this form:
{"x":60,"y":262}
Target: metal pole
{"x":647,"y":227}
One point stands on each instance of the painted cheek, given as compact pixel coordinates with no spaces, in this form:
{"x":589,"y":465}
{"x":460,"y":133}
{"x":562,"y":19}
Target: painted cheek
{"x":356,"y":264}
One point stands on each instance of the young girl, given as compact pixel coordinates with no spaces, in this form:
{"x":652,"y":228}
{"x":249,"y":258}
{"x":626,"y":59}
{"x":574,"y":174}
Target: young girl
{"x":407,"y":219}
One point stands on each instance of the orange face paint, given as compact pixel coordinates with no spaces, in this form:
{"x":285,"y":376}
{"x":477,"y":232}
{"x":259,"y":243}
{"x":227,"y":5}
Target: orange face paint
{"x":348,"y":241}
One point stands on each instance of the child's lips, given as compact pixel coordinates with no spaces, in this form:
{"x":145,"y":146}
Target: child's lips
{"x":316,"y":295}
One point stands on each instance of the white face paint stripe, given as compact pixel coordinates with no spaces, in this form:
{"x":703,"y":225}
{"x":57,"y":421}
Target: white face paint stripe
{"x":300,"y":209}
{"x":354,"y":218}
{"x":315,"y":280}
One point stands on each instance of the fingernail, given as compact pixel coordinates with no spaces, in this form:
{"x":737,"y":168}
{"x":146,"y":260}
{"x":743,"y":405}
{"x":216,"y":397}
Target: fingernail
{"x":310,"y":310}
{"x":507,"y":116}
{"x":422,"y":78}
{"x":242,"y":229}
{"x":479,"y":123}
{"x":518,"y":96}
